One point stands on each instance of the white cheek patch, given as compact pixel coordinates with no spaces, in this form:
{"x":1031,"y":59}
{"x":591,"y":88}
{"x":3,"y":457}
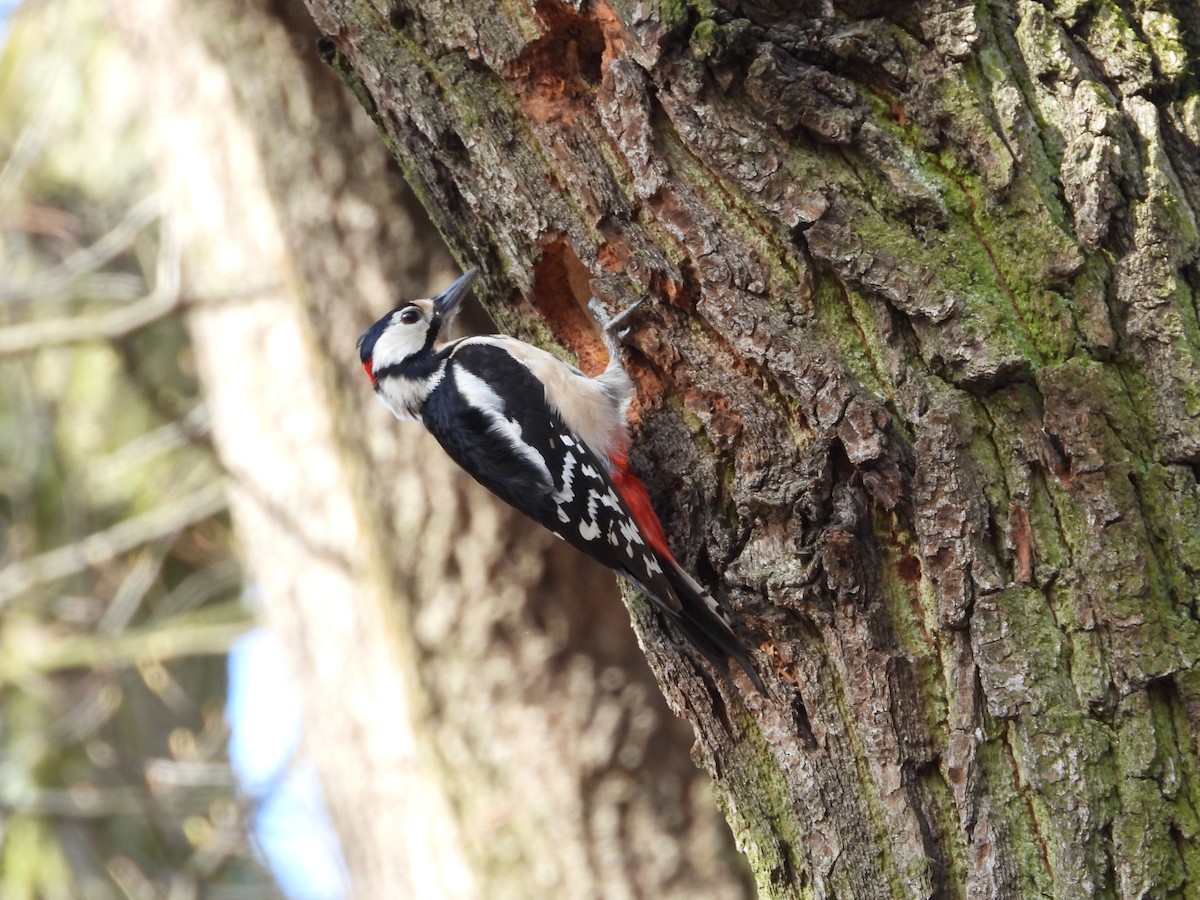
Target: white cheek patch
{"x":398,"y":343}
{"x":479,"y":396}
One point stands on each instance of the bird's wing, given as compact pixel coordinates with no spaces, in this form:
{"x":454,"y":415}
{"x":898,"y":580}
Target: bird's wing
{"x":520,"y":449}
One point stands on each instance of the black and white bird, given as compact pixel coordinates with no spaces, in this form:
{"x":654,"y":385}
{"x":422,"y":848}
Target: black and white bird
{"x":546,"y":439}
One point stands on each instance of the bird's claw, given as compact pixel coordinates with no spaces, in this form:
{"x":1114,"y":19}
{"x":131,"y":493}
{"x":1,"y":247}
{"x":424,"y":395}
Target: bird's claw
{"x":614,"y":328}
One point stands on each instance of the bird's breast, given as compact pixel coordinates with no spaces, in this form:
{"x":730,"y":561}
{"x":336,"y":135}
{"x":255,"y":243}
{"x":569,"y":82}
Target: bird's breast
{"x":406,"y":396}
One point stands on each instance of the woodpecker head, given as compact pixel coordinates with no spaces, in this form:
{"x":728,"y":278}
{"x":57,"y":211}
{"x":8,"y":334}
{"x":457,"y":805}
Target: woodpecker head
{"x":394,"y":346}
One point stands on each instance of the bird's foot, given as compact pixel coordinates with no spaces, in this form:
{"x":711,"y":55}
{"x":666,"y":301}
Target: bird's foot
{"x":616,"y":327}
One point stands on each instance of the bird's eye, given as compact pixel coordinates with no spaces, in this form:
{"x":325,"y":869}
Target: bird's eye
{"x":410,"y":315}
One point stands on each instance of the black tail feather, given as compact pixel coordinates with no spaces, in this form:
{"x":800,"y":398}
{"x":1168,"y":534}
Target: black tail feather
{"x":704,"y":626}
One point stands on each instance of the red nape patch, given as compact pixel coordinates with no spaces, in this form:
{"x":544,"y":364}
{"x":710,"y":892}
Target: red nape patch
{"x":633,"y":492}
{"x":370,"y":375}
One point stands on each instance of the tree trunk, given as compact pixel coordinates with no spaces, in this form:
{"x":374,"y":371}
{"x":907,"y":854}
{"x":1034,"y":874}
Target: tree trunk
{"x":919,"y":391}
{"x":480,"y":715}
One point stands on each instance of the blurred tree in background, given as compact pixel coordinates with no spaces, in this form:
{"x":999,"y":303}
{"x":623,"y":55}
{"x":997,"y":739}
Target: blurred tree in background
{"x":119,"y":592}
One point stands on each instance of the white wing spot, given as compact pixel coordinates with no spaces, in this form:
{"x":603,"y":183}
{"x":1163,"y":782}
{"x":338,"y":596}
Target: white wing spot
{"x":566,"y":493}
{"x":589,"y":531}
{"x":630,"y":532}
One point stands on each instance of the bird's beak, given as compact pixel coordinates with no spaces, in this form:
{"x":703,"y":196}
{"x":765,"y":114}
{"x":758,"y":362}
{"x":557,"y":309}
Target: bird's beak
{"x":446,"y":303}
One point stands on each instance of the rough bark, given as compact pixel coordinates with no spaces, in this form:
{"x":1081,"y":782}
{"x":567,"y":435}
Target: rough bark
{"x":919,"y":391}
{"x":482,"y":719}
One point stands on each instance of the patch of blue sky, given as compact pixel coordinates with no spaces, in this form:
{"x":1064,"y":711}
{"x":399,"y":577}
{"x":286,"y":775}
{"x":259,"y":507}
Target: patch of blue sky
{"x":7,"y":8}
{"x":291,"y":825}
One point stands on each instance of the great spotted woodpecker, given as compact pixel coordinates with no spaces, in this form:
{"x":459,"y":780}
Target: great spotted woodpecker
{"x":547,"y":440}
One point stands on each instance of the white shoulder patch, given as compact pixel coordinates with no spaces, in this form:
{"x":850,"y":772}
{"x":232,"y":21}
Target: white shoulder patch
{"x":593,"y":409}
{"x":479,"y":395}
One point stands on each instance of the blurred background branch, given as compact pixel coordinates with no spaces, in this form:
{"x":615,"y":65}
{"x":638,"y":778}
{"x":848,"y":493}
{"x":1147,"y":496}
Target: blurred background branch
{"x":107,"y":545}
{"x":120,"y":592}
{"x":102,"y":251}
